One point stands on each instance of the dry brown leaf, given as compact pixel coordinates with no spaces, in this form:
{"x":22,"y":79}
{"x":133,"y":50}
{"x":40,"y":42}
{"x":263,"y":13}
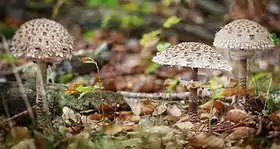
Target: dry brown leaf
{"x":25,"y":144}
{"x":19,"y":133}
{"x":237,"y":91}
{"x":206,"y":106}
{"x":236,"y":115}
{"x":160,"y":109}
{"x":72,"y":89}
{"x":148,"y":107}
{"x":204,"y":140}
{"x":106,"y":108}
{"x":275,"y":117}
{"x":75,"y":129}
{"x":95,"y":116}
{"x":135,"y":105}
{"x":183,"y":119}
{"x":112,"y":128}
{"x":217,"y":105}
{"x":125,"y":115}
{"x":127,"y":128}
{"x":184,"y":125}
{"x":241,"y":133}
{"x":174,"y":111}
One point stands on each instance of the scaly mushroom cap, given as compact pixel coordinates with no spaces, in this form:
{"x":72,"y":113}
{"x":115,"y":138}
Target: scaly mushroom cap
{"x":42,"y":40}
{"x":243,"y":34}
{"x":192,"y":54}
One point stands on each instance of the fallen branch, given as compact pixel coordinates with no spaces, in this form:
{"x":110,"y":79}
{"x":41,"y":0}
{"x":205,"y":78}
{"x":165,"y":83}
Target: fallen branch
{"x":58,"y":99}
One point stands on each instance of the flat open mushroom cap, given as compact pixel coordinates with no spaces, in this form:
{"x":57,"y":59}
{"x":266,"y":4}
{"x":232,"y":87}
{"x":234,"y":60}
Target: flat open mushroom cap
{"x":42,"y":40}
{"x":194,"y":55}
{"x":243,"y":34}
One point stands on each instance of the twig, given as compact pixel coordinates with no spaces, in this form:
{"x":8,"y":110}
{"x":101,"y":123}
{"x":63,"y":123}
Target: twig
{"x":14,"y":117}
{"x":159,"y":96}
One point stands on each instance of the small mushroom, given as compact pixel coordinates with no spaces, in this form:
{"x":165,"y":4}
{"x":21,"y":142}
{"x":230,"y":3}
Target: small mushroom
{"x":193,"y":55}
{"x":243,"y":37}
{"x":44,"y":42}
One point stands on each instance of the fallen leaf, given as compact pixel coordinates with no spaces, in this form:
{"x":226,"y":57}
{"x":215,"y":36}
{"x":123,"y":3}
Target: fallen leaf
{"x":75,"y":129}
{"x":184,"y":125}
{"x":174,"y":111}
{"x":112,"y":128}
{"x":148,"y":107}
{"x":95,"y":116}
{"x":241,"y":133}
{"x":127,"y":128}
{"x":135,"y":105}
{"x":160,"y":109}
{"x":204,"y":140}
{"x":275,"y":117}
{"x":237,"y":91}
{"x":72,"y":89}
{"x":160,"y":130}
{"x":236,"y":115}
{"x":19,"y":133}
{"x":25,"y":144}
{"x":70,"y":116}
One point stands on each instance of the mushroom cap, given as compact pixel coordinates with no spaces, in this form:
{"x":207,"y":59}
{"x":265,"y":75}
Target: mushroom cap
{"x":194,"y":55}
{"x":42,"y":40}
{"x":244,"y":34}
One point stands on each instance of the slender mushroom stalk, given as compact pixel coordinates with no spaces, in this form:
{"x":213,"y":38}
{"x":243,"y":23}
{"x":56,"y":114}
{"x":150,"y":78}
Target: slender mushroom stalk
{"x":241,"y":57}
{"x":44,"y":42}
{"x":193,"y":98}
{"x":242,"y":76}
{"x":193,"y":55}
{"x":243,"y":37}
{"x":43,"y":114}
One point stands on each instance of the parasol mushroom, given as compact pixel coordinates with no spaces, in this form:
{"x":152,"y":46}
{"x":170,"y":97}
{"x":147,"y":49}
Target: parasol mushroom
{"x":242,"y":38}
{"x":193,"y":55}
{"x":44,"y":42}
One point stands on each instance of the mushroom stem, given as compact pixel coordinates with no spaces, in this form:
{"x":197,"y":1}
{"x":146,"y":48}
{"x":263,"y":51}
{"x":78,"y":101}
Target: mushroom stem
{"x":193,"y":116}
{"x":42,"y":108}
{"x":242,"y":76}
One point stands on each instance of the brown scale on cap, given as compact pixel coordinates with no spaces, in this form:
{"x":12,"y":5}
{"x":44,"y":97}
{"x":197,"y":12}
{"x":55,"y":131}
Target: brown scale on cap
{"x":243,"y":34}
{"x":42,"y":40}
{"x":194,"y":55}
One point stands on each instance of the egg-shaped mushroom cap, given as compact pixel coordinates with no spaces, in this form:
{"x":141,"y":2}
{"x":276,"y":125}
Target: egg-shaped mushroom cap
{"x":244,"y":34}
{"x":194,"y":55}
{"x":42,"y":40}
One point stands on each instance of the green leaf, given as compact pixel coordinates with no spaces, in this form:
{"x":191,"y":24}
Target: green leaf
{"x":89,"y":35}
{"x":111,"y":3}
{"x":148,"y":37}
{"x":275,"y":39}
{"x":171,"y":21}
{"x":65,"y":78}
{"x":106,"y":19}
{"x":152,"y":68}
{"x":130,"y":7}
{"x":166,"y":3}
{"x":94,"y":3}
{"x":163,"y":46}
{"x":8,"y":58}
{"x":145,"y":7}
{"x":104,"y":3}
{"x":88,"y":60}
{"x":84,"y":89}
{"x":217,"y":93}
{"x":172,"y":83}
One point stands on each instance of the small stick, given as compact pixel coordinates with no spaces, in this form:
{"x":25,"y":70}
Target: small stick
{"x":171,"y":96}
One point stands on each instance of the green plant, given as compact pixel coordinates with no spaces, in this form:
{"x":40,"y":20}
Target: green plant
{"x":147,"y":38}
